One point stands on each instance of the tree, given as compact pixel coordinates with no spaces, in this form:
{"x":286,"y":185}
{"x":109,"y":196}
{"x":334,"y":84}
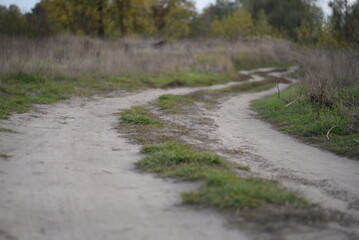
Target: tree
{"x":38,"y":23}
{"x":177,"y":21}
{"x":285,"y":15}
{"x":135,"y":16}
{"x":353,"y":24}
{"x":102,"y":17}
{"x":12,"y":21}
{"x":173,"y":18}
{"x":262,"y":26}
{"x":240,"y":23}
{"x":345,"y":21}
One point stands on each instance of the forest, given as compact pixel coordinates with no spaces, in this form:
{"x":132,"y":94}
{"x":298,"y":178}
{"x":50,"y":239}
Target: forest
{"x":299,"y":20}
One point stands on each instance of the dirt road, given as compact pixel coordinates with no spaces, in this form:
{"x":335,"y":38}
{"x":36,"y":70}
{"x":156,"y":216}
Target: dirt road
{"x":70,"y":175}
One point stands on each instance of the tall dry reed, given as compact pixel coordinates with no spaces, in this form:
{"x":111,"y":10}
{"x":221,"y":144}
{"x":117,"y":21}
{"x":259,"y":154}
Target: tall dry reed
{"x":327,"y":72}
{"x":82,"y":56}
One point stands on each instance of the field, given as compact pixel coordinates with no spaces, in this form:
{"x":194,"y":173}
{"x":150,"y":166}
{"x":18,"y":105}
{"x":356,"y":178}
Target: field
{"x":97,"y":115}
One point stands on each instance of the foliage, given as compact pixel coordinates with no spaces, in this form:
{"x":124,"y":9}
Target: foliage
{"x":178,"y":19}
{"x":345,"y":21}
{"x":298,"y":20}
{"x":240,"y":23}
{"x":285,"y":15}
{"x":170,"y":18}
{"x":14,"y":23}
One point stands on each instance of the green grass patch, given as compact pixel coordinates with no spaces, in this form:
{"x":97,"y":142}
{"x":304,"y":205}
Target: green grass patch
{"x":143,"y":127}
{"x":311,"y":121}
{"x":20,"y":91}
{"x":139,"y":116}
{"x":246,"y":63}
{"x":4,"y":156}
{"x":170,"y":154}
{"x":176,"y":103}
{"x":222,"y":186}
{"x":6,"y":130}
{"x":192,"y":79}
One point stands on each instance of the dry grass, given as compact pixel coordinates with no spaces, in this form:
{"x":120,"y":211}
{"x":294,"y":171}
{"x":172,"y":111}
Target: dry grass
{"x":325,"y":73}
{"x":324,"y":107}
{"x":82,"y":56}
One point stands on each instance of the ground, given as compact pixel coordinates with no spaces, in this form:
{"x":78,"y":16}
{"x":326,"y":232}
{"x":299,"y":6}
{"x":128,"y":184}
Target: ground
{"x":67,"y":173}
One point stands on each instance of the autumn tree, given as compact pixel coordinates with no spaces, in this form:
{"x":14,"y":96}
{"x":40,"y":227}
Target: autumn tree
{"x":345,"y":20}
{"x":239,"y":23}
{"x":173,"y":18}
{"x":134,"y":16}
{"x":284,"y":14}
{"x":12,"y":21}
{"x":101,"y":17}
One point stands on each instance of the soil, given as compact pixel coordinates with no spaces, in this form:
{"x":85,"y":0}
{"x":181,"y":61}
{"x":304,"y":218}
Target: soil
{"x":72,"y":176}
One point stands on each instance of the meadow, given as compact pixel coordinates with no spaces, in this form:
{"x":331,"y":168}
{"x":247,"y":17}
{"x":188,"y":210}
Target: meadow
{"x":45,"y":70}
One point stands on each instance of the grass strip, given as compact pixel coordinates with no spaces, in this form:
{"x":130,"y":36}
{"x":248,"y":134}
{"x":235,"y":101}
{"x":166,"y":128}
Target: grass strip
{"x":222,"y":186}
{"x":4,"y":156}
{"x":139,"y":116}
{"x":20,"y":91}
{"x":144,"y":127}
{"x":335,"y":127}
{"x":176,"y":103}
{"x":6,"y":130}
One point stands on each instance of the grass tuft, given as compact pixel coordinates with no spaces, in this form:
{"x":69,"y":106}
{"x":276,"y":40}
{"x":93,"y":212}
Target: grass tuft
{"x":164,"y":156}
{"x":139,"y":116}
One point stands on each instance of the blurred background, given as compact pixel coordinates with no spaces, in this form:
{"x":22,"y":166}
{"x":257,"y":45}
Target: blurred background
{"x":320,"y":22}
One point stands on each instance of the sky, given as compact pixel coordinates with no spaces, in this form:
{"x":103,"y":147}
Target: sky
{"x":26,"y":5}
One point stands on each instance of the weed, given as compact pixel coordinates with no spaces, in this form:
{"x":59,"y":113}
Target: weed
{"x":312,"y":122}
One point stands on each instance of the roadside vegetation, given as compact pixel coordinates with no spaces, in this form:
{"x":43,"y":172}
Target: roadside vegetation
{"x":323,"y":108}
{"x":224,"y":185}
{"x":6,"y":130}
{"x":177,"y":103}
{"x":5,"y":156}
{"x":34,"y":71}
{"x":63,"y":48}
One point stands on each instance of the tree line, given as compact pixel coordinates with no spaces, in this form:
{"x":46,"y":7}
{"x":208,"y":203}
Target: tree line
{"x":298,"y":20}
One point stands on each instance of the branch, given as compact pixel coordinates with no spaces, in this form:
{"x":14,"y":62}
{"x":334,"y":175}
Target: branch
{"x":295,"y":100}
{"x":330,"y":131}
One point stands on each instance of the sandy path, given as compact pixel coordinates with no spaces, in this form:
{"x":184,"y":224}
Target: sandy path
{"x":323,"y":177}
{"x":72,"y":177}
